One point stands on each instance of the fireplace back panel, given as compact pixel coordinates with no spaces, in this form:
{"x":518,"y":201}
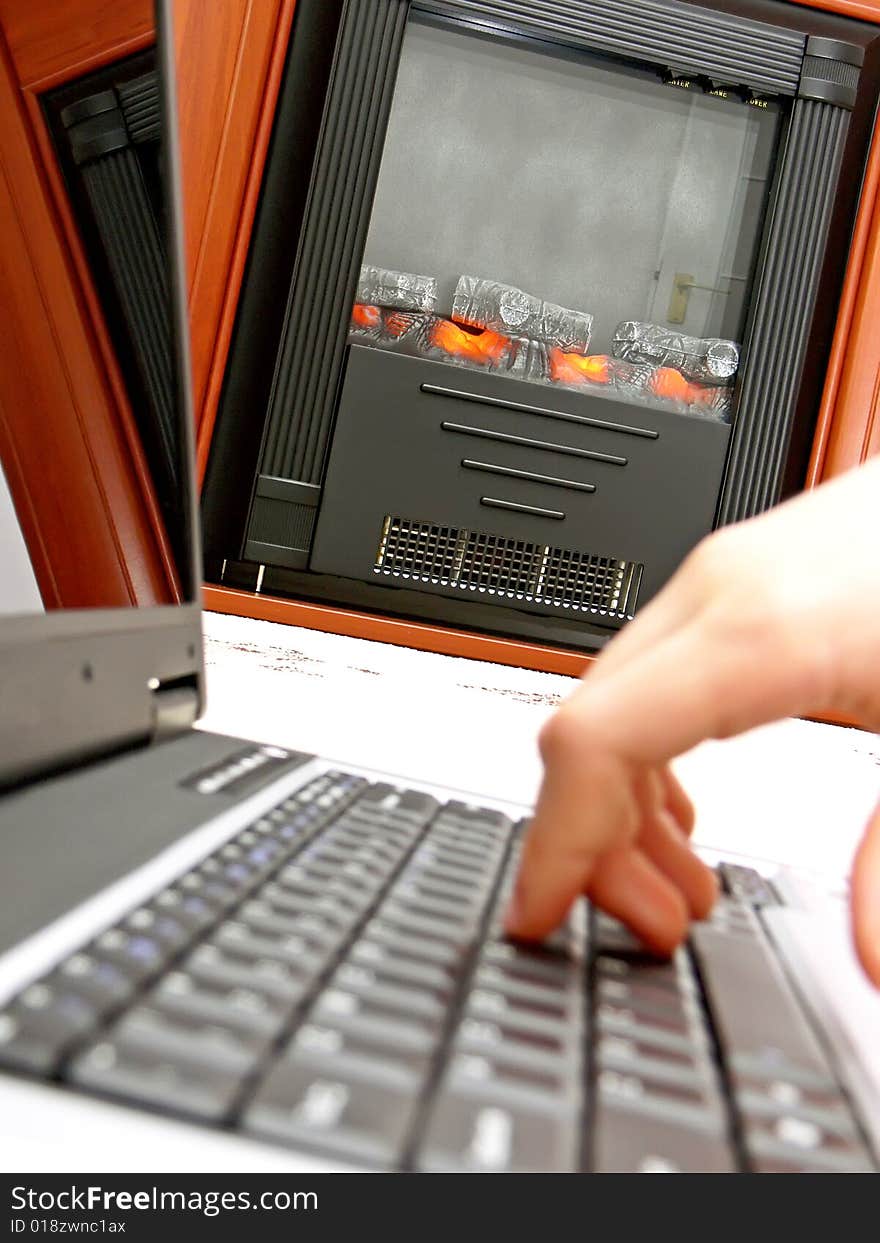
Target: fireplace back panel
{"x":433,"y":445}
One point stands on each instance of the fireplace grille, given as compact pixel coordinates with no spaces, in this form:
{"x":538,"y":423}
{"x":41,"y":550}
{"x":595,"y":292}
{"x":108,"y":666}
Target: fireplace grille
{"x":477,"y":561}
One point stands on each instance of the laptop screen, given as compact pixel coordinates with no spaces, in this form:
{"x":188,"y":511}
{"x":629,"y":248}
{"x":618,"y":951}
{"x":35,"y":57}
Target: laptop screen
{"x":96,"y":480}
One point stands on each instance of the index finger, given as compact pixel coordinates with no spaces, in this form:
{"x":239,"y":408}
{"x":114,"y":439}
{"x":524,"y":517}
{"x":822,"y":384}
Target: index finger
{"x":697,"y":684}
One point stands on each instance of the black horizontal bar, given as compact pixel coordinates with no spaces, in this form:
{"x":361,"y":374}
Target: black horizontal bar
{"x":491,"y":469}
{"x":493,"y":503}
{"x":487,"y":434}
{"x":438,"y":391}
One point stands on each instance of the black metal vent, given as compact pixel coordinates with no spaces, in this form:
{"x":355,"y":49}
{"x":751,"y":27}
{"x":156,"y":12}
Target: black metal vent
{"x":785,"y":301}
{"x":510,"y":569}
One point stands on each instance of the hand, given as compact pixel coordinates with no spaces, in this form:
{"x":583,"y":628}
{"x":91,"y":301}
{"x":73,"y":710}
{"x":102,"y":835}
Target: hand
{"x":778,"y":616}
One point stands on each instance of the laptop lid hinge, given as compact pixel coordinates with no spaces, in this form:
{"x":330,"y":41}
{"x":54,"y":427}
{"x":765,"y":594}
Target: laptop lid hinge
{"x":175,"y":708}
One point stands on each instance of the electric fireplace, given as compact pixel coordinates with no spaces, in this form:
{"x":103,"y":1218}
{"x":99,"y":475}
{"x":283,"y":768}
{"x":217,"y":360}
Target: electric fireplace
{"x":561,"y":302}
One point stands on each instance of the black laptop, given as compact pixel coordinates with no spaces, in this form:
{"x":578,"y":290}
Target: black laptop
{"x":216,"y":955}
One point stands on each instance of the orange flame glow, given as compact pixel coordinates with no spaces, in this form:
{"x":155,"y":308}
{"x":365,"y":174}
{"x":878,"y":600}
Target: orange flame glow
{"x":398,"y":322}
{"x":670,"y":384}
{"x":480,"y":347}
{"x":365,"y":316}
{"x":578,"y":368}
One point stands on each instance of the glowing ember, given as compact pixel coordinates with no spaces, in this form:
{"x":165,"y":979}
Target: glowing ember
{"x":479,"y":347}
{"x":397,"y":323}
{"x":576,"y":368}
{"x":670,"y":384}
{"x":425,"y":335}
{"x":366,"y":316}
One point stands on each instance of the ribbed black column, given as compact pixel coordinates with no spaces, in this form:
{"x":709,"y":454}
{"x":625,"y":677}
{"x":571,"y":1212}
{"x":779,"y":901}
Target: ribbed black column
{"x":683,"y":36}
{"x":135,"y":253}
{"x":785,"y":302}
{"x":334,"y":233}
{"x":139,"y":100}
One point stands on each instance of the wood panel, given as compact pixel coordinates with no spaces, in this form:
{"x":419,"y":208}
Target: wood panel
{"x":52,"y":41}
{"x":848,"y":428}
{"x":229,"y":60}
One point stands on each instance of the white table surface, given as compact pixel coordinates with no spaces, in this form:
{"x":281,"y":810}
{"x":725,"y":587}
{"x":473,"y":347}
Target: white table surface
{"x":795,"y":792}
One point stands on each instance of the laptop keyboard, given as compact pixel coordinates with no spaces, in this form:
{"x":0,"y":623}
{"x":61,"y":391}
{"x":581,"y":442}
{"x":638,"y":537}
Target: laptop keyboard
{"x":335,"y":979}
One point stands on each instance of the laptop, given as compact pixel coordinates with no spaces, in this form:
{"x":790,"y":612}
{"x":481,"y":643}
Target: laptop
{"x":217,"y":955}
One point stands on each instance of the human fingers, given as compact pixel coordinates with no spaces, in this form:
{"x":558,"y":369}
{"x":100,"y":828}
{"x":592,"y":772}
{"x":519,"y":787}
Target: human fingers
{"x":678,"y":801}
{"x":865,"y":899}
{"x":629,"y":886}
{"x":661,"y":841}
{"x":699,"y":683}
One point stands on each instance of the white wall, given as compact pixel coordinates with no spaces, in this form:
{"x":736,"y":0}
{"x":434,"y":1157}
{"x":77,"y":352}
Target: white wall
{"x":18,"y":587}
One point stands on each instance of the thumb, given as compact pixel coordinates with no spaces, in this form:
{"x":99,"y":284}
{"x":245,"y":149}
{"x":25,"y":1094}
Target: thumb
{"x":865,"y":897}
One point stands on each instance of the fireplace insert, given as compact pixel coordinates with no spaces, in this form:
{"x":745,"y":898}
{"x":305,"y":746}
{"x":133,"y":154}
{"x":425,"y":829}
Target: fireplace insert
{"x":560,"y":302}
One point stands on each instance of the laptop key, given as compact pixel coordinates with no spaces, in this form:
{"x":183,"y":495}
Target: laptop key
{"x":467,"y":1135}
{"x":281,"y":982}
{"x":189,"y":909}
{"x":429,"y":948}
{"x":519,"y":1045}
{"x":126,"y":1066}
{"x":40,"y":1026}
{"x":747,"y":885}
{"x":408,"y":997}
{"x":197,"y":1005}
{"x":99,"y":982}
{"x":645,"y":998}
{"x":344,"y":1009}
{"x":670,"y":1031}
{"x":137,"y":956}
{"x":496,"y":1004}
{"x":401,"y":969}
{"x":633,"y":1055}
{"x":230,"y":1045}
{"x":769,"y":1034}
{"x":451,"y":908}
{"x":331,"y":1112}
{"x":772,"y":1098}
{"x":695,"y":1104}
{"x":368,"y":1057}
{"x":805,"y":1146}
{"x":459,"y":934}
{"x":289,"y":949}
{"x":629,"y":1143}
{"x":319,"y":934}
{"x":519,"y":988}
{"x":172,"y":934}
{"x":492,"y":1078}
{"x":480,"y":816}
